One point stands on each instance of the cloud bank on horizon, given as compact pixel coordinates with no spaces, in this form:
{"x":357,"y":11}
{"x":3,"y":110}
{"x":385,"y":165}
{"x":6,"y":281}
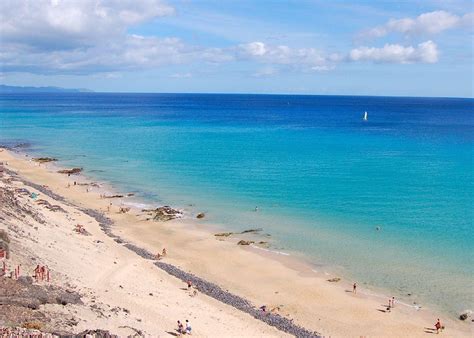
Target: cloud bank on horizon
{"x":54,"y":38}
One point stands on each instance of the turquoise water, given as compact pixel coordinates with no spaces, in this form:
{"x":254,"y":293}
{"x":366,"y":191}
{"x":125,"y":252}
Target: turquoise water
{"x":323,"y":179}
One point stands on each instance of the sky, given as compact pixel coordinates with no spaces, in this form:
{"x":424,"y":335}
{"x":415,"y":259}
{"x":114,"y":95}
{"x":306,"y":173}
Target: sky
{"x":326,"y":47}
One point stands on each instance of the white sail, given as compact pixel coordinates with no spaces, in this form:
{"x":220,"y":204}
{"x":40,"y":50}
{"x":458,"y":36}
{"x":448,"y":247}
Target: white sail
{"x":366,"y":116}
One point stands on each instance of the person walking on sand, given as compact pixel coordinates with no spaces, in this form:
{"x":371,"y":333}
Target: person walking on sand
{"x":354,"y":288}
{"x":438,"y":326}
{"x":393,"y":302}
{"x":188,"y":327}
{"x":189,"y":284}
{"x":163,"y":253}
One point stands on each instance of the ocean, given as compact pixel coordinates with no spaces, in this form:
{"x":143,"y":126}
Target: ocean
{"x":322,"y":178}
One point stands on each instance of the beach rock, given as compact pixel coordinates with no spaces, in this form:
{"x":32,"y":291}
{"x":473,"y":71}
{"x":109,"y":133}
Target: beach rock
{"x":242,"y":242}
{"x":200,"y":215}
{"x":113,"y":196}
{"x":223,"y":234}
{"x":166,"y":213}
{"x":464,"y":316}
{"x":44,"y":159}
{"x":334,"y":280}
{"x":70,"y":171}
{"x":251,"y":230}
{"x":96,"y":333}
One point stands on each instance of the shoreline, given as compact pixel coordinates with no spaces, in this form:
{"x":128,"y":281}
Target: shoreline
{"x":181,"y":231}
{"x":294,"y":260}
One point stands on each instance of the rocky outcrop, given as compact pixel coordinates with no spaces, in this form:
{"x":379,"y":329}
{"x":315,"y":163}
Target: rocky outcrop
{"x":251,"y":231}
{"x":243,"y":242}
{"x":200,"y":215}
{"x":164,"y":213}
{"x":20,"y":300}
{"x":70,"y":171}
{"x":334,"y":280}
{"x":223,"y":234}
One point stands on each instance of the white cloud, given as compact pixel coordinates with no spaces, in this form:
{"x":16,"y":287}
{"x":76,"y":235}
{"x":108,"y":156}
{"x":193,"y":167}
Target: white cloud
{"x":88,"y":36}
{"x":425,"y":24}
{"x":67,"y":24}
{"x":304,"y":58}
{"x":425,"y":52}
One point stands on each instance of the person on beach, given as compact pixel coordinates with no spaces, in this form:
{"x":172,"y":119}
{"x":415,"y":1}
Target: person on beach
{"x":389,"y":303}
{"x":163,"y":253}
{"x":438,"y":326}
{"x":393,"y":301}
{"x":37,"y":271}
{"x":75,"y":183}
{"x":42,"y":273}
{"x":180,"y":327}
{"x":354,"y":288}
{"x":188,"y":327}
{"x":158,"y":256}
{"x":190,"y":284}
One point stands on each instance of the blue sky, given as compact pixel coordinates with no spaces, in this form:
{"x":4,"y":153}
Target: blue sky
{"x":409,"y":48}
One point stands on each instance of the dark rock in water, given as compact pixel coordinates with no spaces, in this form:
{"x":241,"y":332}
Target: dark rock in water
{"x":22,"y":145}
{"x":70,"y":171}
{"x":166,"y":213}
{"x":334,"y":280}
{"x":200,"y":215}
{"x":130,"y":194}
{"x":44,"y":159}
{"x":463,"y":316}
{"x":113,"y":196}
{"x":242,"y":242}
{"x":251,"y":230}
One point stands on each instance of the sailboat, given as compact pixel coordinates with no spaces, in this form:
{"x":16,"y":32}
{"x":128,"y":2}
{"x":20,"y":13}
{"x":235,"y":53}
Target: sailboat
{"x":366,"y":116}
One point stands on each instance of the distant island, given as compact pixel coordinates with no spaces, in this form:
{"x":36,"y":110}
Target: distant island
{"x":18,"y":89}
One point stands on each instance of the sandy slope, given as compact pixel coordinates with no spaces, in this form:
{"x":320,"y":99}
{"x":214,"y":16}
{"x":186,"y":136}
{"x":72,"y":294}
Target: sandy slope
{"x":116,"y":277}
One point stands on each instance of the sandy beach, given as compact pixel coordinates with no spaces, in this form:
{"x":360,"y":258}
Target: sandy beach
{"x":125,"y":293}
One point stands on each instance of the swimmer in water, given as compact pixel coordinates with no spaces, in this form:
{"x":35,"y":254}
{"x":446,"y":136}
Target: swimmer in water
{"x":256,"y":209}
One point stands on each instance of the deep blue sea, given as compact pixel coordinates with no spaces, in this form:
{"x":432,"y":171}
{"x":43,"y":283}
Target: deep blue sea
{"x":322,"y":178}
